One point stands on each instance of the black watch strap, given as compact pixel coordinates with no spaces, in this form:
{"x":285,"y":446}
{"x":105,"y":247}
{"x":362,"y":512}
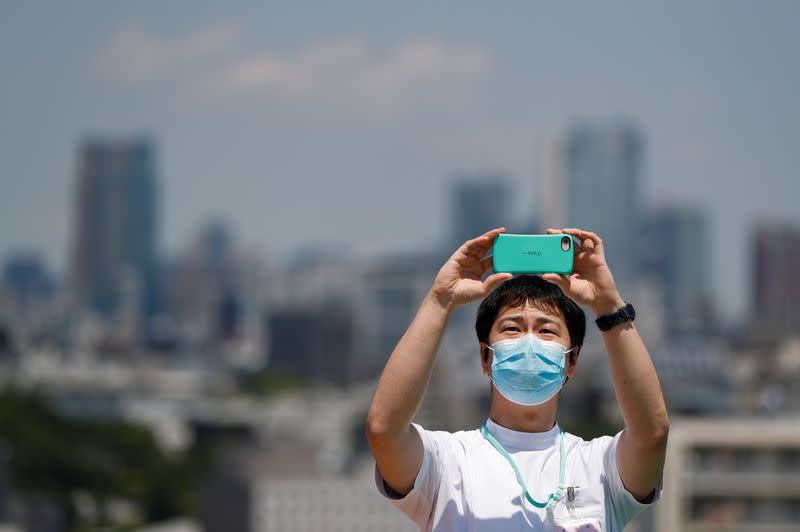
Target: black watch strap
{"x":608,"y":321}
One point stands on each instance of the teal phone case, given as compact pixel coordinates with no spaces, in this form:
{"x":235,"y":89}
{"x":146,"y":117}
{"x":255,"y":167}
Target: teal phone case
{"x":532,"y":254}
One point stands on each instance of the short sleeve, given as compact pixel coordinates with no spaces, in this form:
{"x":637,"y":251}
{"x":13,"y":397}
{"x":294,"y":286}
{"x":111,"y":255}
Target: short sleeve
{"x":419,"y":503}
{"x":625,"y":505}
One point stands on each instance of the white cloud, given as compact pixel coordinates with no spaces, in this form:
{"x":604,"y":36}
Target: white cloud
{"x":135,"y":55}
{"x":328,"y":64}
{"x":344,"y":73}
{"x":347,"y":71}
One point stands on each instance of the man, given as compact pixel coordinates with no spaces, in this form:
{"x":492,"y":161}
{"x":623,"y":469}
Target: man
{"x":520,"y":471}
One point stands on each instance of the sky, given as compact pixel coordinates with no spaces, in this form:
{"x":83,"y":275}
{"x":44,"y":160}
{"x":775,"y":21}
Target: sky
{"x":343,"y":123}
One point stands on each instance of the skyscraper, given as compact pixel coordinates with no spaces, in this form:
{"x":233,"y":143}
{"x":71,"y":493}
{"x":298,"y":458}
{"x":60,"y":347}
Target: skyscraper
{"x":389,"y":293}
{"x":114,"y":240}
{"x":312,"y":344}
{"x":775,"y":259}
{"x":479,"y":202}
{"x":30,"y":285}
{"x":591,"y":180}
{"x":676,"y":257}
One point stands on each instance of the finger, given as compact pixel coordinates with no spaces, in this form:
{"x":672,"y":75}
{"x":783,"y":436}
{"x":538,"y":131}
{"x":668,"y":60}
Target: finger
{"x":560,"y":280}
{"x":566,"y":231}
{"x":596,"y":241}
{"x":472,"y":247}
{"x":494,"y":232}
{"x":480,"y":245}
{"x":582,"y":245}
{"x":493,"y":280}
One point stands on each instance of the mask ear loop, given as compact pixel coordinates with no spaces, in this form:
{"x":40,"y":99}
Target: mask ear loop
{"x":485,"y":355}
{"x":566,"y":377}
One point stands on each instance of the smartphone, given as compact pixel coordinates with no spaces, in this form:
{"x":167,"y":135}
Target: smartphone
{"x":533,"y":253}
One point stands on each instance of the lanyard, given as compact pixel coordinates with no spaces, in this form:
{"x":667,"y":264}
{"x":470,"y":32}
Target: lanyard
{"x":555,"y":496}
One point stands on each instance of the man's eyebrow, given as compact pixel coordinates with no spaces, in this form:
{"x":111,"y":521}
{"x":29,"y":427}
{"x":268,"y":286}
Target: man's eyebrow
{"x":521,"y":317}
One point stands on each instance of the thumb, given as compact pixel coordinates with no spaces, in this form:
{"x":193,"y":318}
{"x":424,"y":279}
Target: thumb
{"x":562,"y":281}
{"x":492,"y":281}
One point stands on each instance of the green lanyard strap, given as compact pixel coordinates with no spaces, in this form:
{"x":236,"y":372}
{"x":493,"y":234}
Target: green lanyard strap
{"x":554,"y":497}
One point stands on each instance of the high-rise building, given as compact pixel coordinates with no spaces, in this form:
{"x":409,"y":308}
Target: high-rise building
{"x":675,"y":256}
{"x":314,"y":345}
{"x":30,"y":285}
{"x":591,"y":180}
{"x":478,"y":203}
{"x":114,"y":241}
{"x":775,"y":259}
{"x":389,"y":294}
{"x":202,"y":287}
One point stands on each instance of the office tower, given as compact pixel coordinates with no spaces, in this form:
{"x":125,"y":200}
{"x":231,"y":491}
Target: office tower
{"x":203,"y":285}
{"x":591,"y":180}
{"x":28,"y":282}
{"x":478,"y":203}
{"x":388,"y":295}
{"x":114,"y":241}
{"x":775,"y":260}
{"x":313,"y":344}
{"x":675,"y":253}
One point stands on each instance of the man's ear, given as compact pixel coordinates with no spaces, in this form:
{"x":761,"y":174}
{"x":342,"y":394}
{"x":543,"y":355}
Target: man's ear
{"x":573,"y":362}
{"x":486,"y":358}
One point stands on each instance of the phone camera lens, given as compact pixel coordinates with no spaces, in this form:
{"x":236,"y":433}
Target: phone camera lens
{"x":565,"y":243}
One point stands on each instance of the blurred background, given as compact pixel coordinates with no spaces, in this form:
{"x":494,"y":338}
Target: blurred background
{"x":217,"y":219}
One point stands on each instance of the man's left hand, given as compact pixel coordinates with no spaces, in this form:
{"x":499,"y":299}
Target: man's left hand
{"x":590,"y":284}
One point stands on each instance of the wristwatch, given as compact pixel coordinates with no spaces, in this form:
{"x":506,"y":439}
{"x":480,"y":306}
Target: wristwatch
{"x":626,"y":313}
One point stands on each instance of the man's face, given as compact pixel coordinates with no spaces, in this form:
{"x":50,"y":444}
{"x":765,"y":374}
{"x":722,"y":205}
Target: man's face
{"x":513,"y":322}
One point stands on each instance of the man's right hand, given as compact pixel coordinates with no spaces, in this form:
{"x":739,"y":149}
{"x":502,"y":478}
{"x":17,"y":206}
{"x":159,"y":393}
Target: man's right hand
{"x":459,"y":280}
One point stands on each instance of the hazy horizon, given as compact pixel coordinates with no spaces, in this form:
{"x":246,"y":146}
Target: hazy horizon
{"x":344,"y":123}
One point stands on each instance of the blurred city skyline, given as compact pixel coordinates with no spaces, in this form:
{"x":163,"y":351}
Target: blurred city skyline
{"x":344,"y":126}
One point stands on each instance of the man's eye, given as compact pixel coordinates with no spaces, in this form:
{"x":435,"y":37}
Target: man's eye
{"x":546,"y":331}
{"x":510,"y":329}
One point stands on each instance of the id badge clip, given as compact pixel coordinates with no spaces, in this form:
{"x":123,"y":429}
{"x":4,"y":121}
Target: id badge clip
{"x":574,"y":523}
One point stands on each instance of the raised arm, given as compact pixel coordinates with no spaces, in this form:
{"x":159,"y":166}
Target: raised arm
{"x":642,"y":446}
{"x":396,"y":446}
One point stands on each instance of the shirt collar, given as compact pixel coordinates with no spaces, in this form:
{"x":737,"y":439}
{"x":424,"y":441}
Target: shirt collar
{"x":513,"y":440}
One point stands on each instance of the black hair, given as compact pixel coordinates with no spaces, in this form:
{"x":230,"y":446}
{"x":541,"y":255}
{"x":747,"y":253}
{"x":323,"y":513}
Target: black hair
{"x":535,"y":291}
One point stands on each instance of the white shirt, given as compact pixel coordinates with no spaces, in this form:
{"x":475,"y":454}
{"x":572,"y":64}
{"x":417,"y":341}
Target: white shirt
{"x":465,"y":484}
